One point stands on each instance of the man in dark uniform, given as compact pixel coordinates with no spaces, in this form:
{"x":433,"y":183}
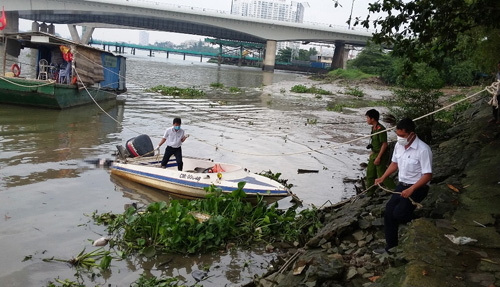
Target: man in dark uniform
{"x":379,"y":157}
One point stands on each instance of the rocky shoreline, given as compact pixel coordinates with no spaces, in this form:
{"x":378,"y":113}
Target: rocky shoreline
{"x":464,"y":201}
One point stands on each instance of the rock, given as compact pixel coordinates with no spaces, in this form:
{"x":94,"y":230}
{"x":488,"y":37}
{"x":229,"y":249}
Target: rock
{"x":364,"y":224}
{"x":378,"y":222}
{"x":361,"y":271}
{"x":484,"y":279}
{"x":486,"y":266}
{"x":351,"y":272}
{"x":359,"y":235}
{"x":361,"y":243}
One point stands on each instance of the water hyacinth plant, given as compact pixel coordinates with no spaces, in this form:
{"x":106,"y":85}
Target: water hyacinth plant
{"x":176,"y":226}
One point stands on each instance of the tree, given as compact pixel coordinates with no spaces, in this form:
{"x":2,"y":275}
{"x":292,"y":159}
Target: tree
{"x":284,"y":55}
{"x":431,"y":30}
{"x":371,"y":60}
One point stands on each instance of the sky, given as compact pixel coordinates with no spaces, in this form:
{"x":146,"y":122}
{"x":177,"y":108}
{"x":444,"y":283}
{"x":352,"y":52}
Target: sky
{"x":319,"y":11}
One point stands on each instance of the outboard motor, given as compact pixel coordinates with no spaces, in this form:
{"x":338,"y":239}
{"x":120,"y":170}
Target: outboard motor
{"x":140,"y":146}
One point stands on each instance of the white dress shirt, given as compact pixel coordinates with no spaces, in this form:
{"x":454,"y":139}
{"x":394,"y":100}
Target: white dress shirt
{"x":172,"y":137}
{"x":413,"y":162}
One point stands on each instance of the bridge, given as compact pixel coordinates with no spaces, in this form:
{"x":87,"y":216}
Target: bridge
{"x":151,"y":15}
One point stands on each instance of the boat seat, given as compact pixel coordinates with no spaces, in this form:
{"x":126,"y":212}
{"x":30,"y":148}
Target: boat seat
{"x":43,"y":69}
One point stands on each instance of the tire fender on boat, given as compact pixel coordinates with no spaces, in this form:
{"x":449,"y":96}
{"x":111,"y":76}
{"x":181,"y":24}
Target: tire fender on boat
{"x":16,"y":70}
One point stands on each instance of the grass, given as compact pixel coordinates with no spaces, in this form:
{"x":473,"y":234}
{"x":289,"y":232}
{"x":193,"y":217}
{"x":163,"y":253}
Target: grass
{"x":352,"y":74}
{"x":217,"y":85}
{"x":354,"y":92}
{"x":234,"y":90}
{"x":312,"y":90}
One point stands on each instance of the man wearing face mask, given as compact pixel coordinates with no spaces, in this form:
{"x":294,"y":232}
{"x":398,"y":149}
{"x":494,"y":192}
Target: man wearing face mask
{"x":413,"y":158}
{"x":174,"y":137}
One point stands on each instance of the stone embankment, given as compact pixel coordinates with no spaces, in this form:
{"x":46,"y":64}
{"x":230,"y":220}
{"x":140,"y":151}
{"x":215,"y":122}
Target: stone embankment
{"x":464,"y":201}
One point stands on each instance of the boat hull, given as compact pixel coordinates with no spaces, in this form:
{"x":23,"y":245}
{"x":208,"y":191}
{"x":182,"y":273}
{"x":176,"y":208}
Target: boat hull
{"x":191,"y":185}
{"x":44,"y":94}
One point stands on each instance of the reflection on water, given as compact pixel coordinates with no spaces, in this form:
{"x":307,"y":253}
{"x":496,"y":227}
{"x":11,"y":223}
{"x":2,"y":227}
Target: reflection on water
{"x":41,"y":144}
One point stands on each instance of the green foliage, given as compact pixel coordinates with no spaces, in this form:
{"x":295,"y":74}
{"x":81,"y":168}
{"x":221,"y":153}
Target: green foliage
{"x":452,"y":115}
{"x":336,"y":108}
{"x":284,"y":55}
{"x":416,"y":103}
{"x":353,"y":74}
{"x":357,"y":92}
{"x":311,"y":90}
{"x":178,"y":226}
{"x":217,"y":85}
{"x":371,"y":60}
{"x":421,"y":76}
{"x":143,"y":281}
{"x":312,"y":121}
{"x":234,"y":90}
{"x":65,"y":283}
{"x":461,"y":74}
{"x":177,"y":92}
{"x":430,"y":31}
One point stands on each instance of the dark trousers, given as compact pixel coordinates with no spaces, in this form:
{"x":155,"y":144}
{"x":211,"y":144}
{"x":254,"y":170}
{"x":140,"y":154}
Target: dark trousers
{"x":495,"y":110}
{"x":399,"y":210}
{"x":169,"y":151}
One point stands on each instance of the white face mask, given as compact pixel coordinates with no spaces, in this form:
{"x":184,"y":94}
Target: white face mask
{"x":402,"y":141}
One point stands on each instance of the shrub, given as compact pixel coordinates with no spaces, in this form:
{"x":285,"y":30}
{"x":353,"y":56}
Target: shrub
{"x":415,"y":103}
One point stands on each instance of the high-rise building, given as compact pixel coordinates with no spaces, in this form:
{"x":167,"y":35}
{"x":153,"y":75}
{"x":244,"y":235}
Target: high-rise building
{"x":280,"y":10}
{"x":143,"y":38}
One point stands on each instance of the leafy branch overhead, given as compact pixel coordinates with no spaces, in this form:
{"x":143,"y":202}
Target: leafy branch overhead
{"x":431,"y":30}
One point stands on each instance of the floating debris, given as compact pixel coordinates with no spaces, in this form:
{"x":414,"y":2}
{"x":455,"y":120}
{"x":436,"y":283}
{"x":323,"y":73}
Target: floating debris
{"x":101,"y":241}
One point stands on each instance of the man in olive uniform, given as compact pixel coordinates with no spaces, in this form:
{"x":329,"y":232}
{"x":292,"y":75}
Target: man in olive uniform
{"x":379,"y":157}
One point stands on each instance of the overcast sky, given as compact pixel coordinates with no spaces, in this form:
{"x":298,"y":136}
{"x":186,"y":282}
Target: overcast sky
{"x":320,"y":11}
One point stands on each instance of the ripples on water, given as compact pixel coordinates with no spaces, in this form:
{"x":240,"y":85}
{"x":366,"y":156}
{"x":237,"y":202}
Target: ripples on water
{"x":46,"y":187}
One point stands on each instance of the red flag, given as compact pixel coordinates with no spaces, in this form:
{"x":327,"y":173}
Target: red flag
{"x":3,"y":20}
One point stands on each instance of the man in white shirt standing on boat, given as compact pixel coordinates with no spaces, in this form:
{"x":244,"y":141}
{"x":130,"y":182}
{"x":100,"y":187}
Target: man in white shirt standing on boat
{"x":413,"y":158}
{"x":174,"y":137}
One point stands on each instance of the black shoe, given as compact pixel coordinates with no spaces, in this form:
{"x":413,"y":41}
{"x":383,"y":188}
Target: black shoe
{"x":380,"y":251}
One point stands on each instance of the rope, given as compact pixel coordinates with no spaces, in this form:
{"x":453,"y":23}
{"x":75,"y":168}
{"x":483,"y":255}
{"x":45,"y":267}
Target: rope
{"x":95,"y":102}
{"x":491,"y":89}
{"x":50,"y":82}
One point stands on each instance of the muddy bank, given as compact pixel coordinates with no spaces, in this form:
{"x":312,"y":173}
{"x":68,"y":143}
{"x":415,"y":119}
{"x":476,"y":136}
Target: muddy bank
{"x":463,"y":201}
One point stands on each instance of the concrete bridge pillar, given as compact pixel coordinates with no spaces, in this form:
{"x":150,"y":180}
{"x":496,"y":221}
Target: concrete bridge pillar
{"x":87,"y":34}
{"x":347,"y":49}
{"x":44,"y":27}
{"x":338,"y":55}
{"x":6,"y":60}
{"x":74,"y":33}
{"x":270,"y":56}
{"x":52,"y":29}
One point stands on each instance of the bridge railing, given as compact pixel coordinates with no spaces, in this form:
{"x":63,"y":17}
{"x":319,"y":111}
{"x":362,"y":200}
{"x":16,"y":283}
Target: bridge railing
{"x":218,"y":11}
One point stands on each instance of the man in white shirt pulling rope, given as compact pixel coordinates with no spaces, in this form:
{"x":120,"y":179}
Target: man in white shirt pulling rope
{"x":413,"y":158}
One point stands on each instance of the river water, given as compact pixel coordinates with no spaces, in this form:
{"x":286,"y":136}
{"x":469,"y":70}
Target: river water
{"x":47,"y":190}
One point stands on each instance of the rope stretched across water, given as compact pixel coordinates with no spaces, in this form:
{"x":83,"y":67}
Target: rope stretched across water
{"x":492,"y":89}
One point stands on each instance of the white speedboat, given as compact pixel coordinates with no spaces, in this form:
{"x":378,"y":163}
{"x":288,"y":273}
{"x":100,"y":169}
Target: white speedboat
{"x":196,"y":175}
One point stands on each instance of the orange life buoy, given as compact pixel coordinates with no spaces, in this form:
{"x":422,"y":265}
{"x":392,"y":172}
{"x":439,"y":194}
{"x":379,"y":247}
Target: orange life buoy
{"x":16,"y":70}
{"x":74,"y":80}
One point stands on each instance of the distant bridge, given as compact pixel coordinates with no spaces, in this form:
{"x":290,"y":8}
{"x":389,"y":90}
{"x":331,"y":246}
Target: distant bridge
{"x":153,"y":15}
